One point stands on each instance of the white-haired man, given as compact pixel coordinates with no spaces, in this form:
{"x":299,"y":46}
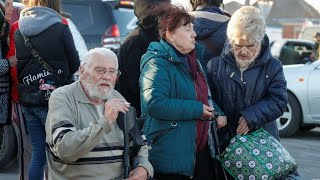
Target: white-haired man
{"x":83,"y":138}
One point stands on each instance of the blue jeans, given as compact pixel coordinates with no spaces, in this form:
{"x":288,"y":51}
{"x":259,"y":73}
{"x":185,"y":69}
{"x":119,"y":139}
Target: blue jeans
{"x":35,"y":121}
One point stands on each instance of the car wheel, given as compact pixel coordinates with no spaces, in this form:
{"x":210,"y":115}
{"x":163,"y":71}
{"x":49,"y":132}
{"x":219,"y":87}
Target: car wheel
{"x":289,"y":123}
{"x":8,"y":145}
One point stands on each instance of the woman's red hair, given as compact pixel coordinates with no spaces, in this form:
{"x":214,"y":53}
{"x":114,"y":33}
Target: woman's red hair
{"x":171,"y":18}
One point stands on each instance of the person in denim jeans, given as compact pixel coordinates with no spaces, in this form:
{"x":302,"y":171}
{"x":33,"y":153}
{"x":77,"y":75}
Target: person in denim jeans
{"x":41,"y":23}
{"x":35,"y":121}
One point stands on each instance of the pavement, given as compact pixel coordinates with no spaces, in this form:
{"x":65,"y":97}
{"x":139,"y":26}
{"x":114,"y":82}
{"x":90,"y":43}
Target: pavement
{"x":304,"y":147}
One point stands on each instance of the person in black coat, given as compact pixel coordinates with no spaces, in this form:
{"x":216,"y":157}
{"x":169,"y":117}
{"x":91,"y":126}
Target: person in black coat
{"x":134,"y":47}
{"x":210,"y":26}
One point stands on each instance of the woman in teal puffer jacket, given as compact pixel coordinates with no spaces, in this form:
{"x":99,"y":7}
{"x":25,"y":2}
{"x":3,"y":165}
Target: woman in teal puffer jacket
{"x":174,"y":97}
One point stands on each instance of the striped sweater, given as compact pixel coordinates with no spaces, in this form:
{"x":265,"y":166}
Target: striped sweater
{"x":80,"y":144}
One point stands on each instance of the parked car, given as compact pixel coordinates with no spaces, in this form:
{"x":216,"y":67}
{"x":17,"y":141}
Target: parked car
{"x":102,"y":23}
{"x":8,"y":146}
{"x":308,"y":32}
{"x":126,"y":21}
{"x":303,"y":110}
{"x":292,"y":51}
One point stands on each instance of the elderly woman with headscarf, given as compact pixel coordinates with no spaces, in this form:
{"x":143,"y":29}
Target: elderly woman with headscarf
{"x":174,"y":97}
{"x":246,"y":81}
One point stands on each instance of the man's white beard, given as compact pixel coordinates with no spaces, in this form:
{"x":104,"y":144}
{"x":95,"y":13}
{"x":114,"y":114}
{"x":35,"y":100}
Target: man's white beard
{"x":243,"y":65}
{"x":94,"y":91}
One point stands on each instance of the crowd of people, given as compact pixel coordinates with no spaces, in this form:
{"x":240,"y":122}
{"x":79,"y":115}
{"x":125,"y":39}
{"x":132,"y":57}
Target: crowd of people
{"x":179,"y":69}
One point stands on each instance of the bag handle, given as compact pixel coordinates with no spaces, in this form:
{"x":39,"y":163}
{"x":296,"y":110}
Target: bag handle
{"x":41,"y":61}
{"x":214,"y":129}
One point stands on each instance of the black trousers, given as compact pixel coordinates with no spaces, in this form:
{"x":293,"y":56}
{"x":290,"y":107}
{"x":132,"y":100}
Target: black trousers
{"x":204,"y":169}
{"x":159,"y":176}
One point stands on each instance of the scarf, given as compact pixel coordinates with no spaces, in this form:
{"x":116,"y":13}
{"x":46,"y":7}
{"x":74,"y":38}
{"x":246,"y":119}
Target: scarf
{"x":201,"y":88}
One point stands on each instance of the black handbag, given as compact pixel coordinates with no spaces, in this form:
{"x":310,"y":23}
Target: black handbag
{"x":33,"y":95}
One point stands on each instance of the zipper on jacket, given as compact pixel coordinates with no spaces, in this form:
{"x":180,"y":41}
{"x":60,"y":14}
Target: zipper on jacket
{"x":196,"y":133}
{"x":196,"y":95}
{"x":241,"y":72}
{"x":195,"y":140}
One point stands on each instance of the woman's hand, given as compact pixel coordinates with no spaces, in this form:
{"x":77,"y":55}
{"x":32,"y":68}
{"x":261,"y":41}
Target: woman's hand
{"x":207,"y":112}
{"x":221,"y":121}
{"x":243,"y":127}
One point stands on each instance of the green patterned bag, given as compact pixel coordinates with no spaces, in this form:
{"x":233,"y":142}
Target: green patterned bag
{"x":257,"y":155}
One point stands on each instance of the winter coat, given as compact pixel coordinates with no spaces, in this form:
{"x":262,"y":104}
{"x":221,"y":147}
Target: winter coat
{"x":262,"y":96}
{"x":168,"y":98}
{"x":211,"y":33}
{"x":132,"y":49}
{"x":52,"y":39}
{"x":4,"y":92}
{"x":5,"y":102}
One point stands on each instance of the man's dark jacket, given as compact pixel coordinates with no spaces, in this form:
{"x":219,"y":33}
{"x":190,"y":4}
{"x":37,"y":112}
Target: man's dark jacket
{"x":130,"y":54}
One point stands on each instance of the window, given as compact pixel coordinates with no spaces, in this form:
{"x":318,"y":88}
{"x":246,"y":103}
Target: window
{"x":295,"y":53}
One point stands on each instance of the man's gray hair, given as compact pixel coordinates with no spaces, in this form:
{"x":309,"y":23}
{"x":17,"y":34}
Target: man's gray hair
{"x":101,"y":51}
{"x":246,"y":23}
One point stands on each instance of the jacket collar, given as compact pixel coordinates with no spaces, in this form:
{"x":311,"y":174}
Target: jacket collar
{"x":212,"y":9}
{"x":80,"y":95}
{"x":172,"y":55}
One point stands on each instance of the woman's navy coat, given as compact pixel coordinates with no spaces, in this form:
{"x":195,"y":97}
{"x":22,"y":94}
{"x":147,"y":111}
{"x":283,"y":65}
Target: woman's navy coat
{"x":262,"y":96}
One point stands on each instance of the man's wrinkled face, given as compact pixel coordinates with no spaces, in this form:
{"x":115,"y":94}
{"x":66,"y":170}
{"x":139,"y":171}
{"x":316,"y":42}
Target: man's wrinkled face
{"x":99,"y":76}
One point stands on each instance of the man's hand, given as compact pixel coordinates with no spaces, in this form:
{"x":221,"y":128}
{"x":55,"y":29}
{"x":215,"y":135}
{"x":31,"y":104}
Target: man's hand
{"x":139,"y":173}
{"x":221,"y":121}
{"x":243,"y":127}
{"x":113,"y":107}
{"x":207,"y":112}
